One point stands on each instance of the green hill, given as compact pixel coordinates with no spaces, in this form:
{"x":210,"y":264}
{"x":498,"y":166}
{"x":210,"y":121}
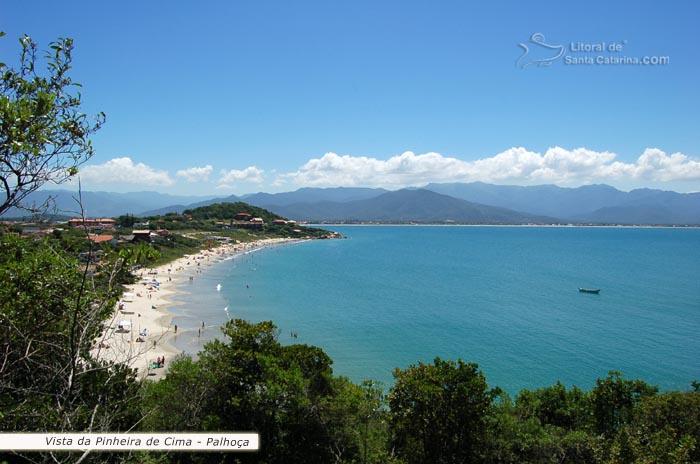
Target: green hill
{"x":226,"y":211}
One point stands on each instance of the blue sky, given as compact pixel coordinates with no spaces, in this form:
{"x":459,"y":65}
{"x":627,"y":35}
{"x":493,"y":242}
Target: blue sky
{"x":245,"y":96}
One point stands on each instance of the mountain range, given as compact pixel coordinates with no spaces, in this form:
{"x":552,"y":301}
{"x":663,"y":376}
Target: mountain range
{"x":474,"y":202}
{"x":106,"y":204}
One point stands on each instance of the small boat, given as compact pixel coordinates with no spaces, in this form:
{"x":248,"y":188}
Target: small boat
{"x":589,"y":290}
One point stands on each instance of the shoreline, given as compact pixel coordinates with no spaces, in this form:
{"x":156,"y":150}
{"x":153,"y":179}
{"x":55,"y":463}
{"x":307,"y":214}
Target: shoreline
{"x":457,"y":224}
{"x":141,"y":329}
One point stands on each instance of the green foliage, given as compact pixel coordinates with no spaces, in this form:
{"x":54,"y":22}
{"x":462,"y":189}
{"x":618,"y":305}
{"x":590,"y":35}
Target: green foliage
{"x":355,"y":420}
{"x":175,"y":246}
{"x":250,"y":383}
{"x":44,"y":136}
{"x":555,"y":406}
{"x":50,"y":315}
{"x":125,"y":220}
{"x":205,"y":218}
{"x":665,"y":429}
{"x":514,"y":438}
{"x":178,"y":403}
{"x":613,"y":400}
{"x":226,"y":211}
{"x":438,"y":412}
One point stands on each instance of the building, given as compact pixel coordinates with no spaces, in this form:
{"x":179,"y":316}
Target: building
{"x":102,"y":238}
{"x":242,"y":217}
{"x":141,"y":235}
{"x":101,"y":223}
{"x":252,"y":224}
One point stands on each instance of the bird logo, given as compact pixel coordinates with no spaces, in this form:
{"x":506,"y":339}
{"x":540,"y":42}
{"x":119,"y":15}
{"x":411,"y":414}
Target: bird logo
{"x":538,"y":53}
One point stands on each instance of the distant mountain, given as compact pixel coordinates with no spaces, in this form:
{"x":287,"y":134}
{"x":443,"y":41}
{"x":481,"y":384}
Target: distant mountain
{"x":469,"y":203}
{"x":312,"y":195}
{"x":648,"y":206}
{"x":104,"y":204}
{"x":589,"y":203}
{"x":414,"y":205}
{"x":180,"y":208}
{"x":540,"y":199}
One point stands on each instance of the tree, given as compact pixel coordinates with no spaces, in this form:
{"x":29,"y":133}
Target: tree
{"x":555,"y":405}
{"x":251,"y":382}
{"x":665,"y":429}
{"x":354,"y":418}
{"x":51,"y":313}
{"x":43,"y":135}
{"x":613,"y":401}
{"x":438,"y":412}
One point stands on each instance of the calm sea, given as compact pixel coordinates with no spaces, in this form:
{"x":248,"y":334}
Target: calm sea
{"x":504,"y":297}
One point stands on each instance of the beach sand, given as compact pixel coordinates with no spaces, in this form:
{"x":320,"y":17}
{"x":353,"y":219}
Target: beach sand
{"x":141,"y":332}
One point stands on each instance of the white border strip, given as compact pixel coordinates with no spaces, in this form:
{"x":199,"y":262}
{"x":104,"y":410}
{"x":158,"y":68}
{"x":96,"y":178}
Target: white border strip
{"x":130,"y":441}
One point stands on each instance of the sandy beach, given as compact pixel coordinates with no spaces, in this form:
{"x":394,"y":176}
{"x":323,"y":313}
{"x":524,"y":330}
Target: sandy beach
{"x":140,"y":331}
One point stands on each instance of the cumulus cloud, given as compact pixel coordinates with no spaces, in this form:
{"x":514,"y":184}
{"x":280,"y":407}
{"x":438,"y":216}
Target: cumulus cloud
{"x":251,"y":174}
{"x":124,"y":170}
{"x":654,"y":164}
{"x":195,"y":174}
{"x":515,"y":165}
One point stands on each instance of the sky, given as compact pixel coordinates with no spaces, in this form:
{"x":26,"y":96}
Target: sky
{"x":235,"y":97}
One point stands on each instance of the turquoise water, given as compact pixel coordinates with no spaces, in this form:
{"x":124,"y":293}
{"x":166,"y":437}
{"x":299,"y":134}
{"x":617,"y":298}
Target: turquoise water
{"x":504,"y":297}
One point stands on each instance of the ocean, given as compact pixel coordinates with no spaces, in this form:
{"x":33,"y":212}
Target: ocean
{"x":505,"y":298}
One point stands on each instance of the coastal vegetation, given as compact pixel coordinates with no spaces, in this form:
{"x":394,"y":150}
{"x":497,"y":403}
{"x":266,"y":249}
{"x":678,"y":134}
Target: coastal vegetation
{"x":53,"y":306}
{"x":443,"y":411}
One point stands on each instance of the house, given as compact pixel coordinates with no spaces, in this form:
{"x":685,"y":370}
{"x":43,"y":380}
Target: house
{"x":143,"y":235}
{"x":242,"y":217}
{"x":255,"y":223}
{"x":279,"y":222}
{"x":101,"y":223}
{"x":102,"y":238}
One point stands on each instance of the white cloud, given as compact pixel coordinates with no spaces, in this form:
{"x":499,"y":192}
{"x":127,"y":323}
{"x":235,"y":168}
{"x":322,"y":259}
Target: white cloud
{"x":251,"y":174}
{"x":195,"y":174}
{"x":654,"y":164}
{"x":123,"y":170}
{"x":515,"y":165}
